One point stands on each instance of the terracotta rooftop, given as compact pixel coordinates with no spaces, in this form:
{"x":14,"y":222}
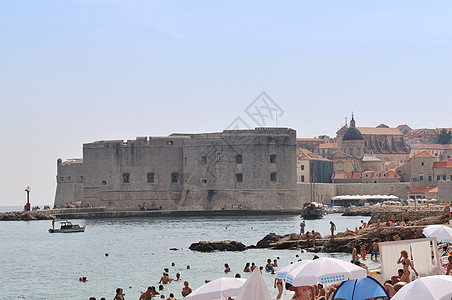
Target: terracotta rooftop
{"x":424,"y":154}
{"x":379,"y":131}
{"x":328,"y":146}
{"x":434,"y":147}
{"x":447,"y":163}
{"x":423,"y":189}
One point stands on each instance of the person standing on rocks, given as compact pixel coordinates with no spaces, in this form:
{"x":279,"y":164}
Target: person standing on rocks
{"x":302,"y":226}
{"x":332,"y":228}
{"x":313,"y":239}
{"x":406,"y":216}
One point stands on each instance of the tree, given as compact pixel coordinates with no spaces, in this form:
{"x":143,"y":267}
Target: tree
{"x":444,"y":137}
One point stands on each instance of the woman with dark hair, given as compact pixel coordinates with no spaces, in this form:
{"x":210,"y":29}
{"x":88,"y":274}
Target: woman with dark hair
{"x":119,"y":294}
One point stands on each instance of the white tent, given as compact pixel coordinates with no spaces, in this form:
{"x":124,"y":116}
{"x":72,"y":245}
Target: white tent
{"x":254,"y":288}
{"x":220,"y":288}
{"x":427,"y":288}
{"x":419,"y":250}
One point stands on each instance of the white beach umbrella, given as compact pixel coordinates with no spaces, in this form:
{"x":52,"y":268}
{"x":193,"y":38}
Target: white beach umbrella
{"x":254,"y":288}
{"x":440,"y":232}
{"x":282,"y":274}
{"x":324,"y":270}
{"x":220,"y":288}
{"x":437,"y":287}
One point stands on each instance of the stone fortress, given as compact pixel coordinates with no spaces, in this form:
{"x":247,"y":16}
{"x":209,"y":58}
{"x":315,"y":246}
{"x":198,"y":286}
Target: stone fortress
{"x":241,"y":168}
{"x":260,"y":169}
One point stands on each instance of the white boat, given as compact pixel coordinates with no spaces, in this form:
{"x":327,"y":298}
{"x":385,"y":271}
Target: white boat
{"x":66,"y":226}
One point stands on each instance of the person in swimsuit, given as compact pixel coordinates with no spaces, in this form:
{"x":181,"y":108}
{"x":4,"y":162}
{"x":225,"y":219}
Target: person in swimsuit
{"x":269,"y":265}
{"x":406,"y":216}
{"x":302,"y":292}
{"x":279,"y":285}
{"x":186,"y":290}
{"x":374,"y":251}
{"x":313,"y":239}
{"x":247,"y":268}
{"x":363,"y":251}
{"x":332,"y":228}
{"x":354,"y":254}
{"x":147,"y":295}
{"x":119,"y":294}
{"x":302,"y":226}
{"x":389,"y":288}
{"x":406,"y":264}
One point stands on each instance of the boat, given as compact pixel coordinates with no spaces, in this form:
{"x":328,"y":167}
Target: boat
{"x":312,"y":210}
{"x":66,"y":226}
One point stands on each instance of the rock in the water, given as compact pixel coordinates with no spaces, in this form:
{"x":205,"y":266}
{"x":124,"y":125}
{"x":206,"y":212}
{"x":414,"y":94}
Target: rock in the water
{"x":207,"y":246}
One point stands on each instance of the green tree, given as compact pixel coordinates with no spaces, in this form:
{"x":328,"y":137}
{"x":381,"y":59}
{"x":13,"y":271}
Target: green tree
{"x":444,"y":137}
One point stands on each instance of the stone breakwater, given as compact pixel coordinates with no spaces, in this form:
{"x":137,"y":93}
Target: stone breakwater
{"x":26,"y":216}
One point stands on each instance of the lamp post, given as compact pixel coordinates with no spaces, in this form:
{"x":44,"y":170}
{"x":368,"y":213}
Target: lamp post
{"x":27,"y":205}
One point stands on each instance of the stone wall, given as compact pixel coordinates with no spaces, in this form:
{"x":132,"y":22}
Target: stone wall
{"x":69,"y":182}
{"x":253,"y":168}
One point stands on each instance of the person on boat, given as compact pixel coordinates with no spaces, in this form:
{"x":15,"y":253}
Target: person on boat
{"x":332,"y":228}
{"x":119,"y":294}
{"x":302,"y":226}
{"x":186,"y":290}
{"x":406,"y":263}
{"x":227,"y":269}
{"x":279,"y":285}
{"x":247,"y":268}
{"x":147,"y":295}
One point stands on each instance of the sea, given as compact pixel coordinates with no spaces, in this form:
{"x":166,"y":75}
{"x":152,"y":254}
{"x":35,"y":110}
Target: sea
{"x":131,"y":253}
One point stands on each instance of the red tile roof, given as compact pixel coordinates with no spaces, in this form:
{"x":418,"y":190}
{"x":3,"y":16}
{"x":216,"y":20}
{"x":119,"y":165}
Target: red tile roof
{"x":423,"y":189}
{"x":424,"y":154}
{"x":434,"y":147}
{"x":447,"y":163}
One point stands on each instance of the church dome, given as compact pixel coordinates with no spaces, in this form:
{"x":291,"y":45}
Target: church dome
{"x":353,"y":134}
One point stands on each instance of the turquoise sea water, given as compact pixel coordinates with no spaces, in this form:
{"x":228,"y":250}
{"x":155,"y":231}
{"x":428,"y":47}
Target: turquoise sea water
{"x":38,"y":265}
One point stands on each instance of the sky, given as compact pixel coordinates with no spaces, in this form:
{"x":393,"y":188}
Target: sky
{"x":78,"y":71}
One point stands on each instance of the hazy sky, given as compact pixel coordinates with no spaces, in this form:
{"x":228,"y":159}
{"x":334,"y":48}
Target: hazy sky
{"x":73,"y":72}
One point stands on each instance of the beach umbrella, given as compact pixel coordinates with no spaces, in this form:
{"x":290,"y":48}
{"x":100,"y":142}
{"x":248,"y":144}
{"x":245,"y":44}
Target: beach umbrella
{"x":254,"y":288}
{"x":359,"y":289}
{"x":440,"y":232}
{"x":437,"y":287}
{"x":324,"y":270}
{"x":282,"y":274}
{"x":220,"y":288}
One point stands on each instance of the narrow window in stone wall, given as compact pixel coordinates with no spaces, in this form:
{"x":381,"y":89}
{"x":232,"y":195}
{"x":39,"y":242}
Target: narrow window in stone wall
{"x":421,"y":178}
{"x":185,"y":161}
{"x":238,"y":159}
{"x":61,"y":178}
{"x":239,"y":177}
{"x":126,"y":178}
{"x":104,"y":182}
{"x":150,"y":177}
{"x":174,"y":177}
{"x":204,"y":160}
{"x":69,"y":178}
{"x":204,"y":181}
{"x":444,"y":177}
{"x":273,"y":176}
{"x":438,"y":178}
{"x":450,"y":177}
{"x":429,"y":178}
{"x":170,"y":143}
{"x":302,"y":167}
{"x":302,"y":178}
{"x":81,"y":178}
{"x":273,"y":159}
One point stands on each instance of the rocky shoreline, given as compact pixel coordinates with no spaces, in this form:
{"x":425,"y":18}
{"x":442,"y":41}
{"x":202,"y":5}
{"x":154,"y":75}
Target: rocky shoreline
{"x":26,"y":216}
{"x":342,"y":242}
